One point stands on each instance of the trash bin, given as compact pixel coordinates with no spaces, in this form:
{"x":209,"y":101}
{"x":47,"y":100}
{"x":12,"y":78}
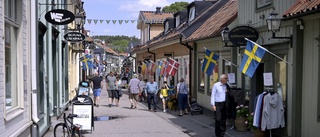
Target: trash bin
{"x":83,"y":108}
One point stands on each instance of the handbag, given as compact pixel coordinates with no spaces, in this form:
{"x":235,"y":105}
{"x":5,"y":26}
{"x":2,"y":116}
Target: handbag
{"x":120,"y":92}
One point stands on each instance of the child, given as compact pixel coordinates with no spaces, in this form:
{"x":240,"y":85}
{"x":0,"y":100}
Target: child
{"x":164,"y":95}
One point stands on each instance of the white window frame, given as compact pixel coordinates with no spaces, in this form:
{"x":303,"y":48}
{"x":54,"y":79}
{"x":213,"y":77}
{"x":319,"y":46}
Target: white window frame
{"x":192,"y":13}
{"x":177,"y":21}
{"x":166,"y":27}
{"x":12,"y":34}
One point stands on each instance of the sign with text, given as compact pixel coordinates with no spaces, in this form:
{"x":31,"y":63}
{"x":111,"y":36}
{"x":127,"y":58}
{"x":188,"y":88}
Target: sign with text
{"x":267,"y":79}
{"x":231,"y":78}
{"x":74,"y":37}
{"x":84,"y":116}
{"x":237,"y":35}
{"x":59,"y":17}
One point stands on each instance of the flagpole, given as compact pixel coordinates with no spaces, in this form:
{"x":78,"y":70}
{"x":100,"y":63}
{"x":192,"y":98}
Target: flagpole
{"x":268,"y":51}
{"x":224,"y":58}
{"x":229,"y":61}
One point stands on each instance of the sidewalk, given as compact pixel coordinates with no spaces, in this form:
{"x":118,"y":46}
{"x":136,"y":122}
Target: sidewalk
{"x":139,"y":122}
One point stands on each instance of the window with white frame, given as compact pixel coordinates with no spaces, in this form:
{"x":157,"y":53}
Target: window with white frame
{"x":177,"y":21}
{"x":192,"y":13}
{"x":166,"y":27}
{"x":12,"y":25}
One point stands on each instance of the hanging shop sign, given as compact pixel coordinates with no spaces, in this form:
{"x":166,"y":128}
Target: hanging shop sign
{"x":74,"y":37}
{"x":237,"y":35}
{"x":59,"y":17}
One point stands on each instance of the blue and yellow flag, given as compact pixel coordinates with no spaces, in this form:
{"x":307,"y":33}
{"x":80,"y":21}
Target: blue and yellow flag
{"x":86,"y":61}
{"x":159,"y":67}
{"x":251,"y":58}
{"x":210,"y":60}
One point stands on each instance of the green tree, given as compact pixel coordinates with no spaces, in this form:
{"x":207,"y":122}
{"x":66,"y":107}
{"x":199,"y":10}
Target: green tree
{"x":117,"y":43}
{"x":175,"y":7}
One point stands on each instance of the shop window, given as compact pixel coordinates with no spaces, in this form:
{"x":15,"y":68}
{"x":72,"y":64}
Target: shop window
{"x":11,"y":8}
{"x":281,"y":78}
{"x":201,"y":75}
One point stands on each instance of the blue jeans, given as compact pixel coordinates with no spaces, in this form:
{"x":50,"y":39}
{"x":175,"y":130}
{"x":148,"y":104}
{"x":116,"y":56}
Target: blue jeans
{"x":183,"y":101}
{"x":152,"y":98}
{"x":96,"y":92}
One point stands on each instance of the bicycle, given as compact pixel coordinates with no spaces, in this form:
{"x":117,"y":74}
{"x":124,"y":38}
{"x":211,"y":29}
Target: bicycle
{"x":67,"y":128}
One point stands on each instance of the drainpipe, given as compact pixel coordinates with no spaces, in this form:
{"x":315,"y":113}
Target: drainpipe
{"x":33,"y":48}
{"x":190,"y":60}
{"x":154,"y":59}
{"x":34,"y":44}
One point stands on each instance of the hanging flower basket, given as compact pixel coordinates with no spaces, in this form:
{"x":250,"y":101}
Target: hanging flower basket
{"x":239,"y":122}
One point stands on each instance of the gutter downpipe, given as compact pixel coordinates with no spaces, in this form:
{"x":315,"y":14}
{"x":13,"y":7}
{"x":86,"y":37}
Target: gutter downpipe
{"x":154,"y":59}
{"x":190,"y":60}
{"x":33,"y":48}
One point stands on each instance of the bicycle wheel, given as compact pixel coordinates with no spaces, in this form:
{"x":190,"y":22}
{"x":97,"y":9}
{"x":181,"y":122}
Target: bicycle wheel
{"x":76,"y":131}
{"x":61,"y":130}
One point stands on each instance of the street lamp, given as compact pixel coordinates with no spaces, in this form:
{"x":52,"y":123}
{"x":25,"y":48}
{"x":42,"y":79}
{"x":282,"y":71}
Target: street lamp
{"x":225,"y":35}
{"x":274,"y":24}
{"x":78,"y":20}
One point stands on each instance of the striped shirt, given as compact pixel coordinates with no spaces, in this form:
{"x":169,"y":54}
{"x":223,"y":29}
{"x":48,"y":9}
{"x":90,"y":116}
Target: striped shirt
{"x":134,"y":86}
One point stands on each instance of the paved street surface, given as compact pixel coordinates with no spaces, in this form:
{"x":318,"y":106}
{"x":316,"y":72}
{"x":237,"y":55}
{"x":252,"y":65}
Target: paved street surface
{"x":140,"y":122}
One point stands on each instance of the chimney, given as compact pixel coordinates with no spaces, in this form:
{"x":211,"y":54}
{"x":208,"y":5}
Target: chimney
{"x":158,"y":10}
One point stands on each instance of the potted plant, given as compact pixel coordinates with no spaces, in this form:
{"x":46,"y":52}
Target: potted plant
{"x":241,"y":119}
{"x":256,"y":131}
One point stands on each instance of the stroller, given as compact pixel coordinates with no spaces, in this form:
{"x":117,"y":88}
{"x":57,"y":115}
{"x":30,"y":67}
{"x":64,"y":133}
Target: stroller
{"x":195,"y":107}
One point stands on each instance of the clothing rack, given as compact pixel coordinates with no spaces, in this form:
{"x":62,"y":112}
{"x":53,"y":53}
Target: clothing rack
{"x":269,"y":90}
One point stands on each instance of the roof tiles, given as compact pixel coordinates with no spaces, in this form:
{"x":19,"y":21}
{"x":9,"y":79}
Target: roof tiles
{"x":216,"y":22}
{"x":302,"y":6}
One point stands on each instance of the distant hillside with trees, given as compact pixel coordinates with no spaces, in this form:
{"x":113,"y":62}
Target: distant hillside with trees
{"x":117,"y":43}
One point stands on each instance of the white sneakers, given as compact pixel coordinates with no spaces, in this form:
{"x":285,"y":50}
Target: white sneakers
{"x":164,"y":111}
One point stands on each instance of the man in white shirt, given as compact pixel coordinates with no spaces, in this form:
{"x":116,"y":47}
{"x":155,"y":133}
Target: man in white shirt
{"x":219,"y":106}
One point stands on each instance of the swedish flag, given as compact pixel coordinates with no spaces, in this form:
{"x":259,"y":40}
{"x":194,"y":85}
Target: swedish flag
{"x":86,"y":61}
{"x":210,"y":60}
{"x":251,"y":58}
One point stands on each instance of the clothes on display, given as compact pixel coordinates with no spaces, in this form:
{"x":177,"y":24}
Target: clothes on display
{"x":269,"y":111}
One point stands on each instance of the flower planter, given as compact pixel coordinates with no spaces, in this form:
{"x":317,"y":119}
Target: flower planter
{"x":240,"y":124}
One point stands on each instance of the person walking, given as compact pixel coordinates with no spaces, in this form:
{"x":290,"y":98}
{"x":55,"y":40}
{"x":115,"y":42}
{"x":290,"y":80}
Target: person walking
{"x":133,"y":88}
{"x":220,"y":100}
{"x":182,"y":96}
{"x":142,"y":86}
{"x":151,"y":92}
{"x":118,"y":92}
{"x":164,"y":95}
{"x":111,"y":88}
{"x":97,"y":86}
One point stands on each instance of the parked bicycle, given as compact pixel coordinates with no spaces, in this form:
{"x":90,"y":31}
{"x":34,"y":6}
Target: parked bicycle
{"x":67,"y":128}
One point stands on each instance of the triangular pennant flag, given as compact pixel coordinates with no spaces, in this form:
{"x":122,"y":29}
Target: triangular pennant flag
{"x":132,"y":21}
{"x":101,"y":21}
{"x":120,"y":22}
{"x":107,"y":21}
{"x":95,"y":21}
{"x":126,"y":21}
{"x":89,"y":21}
{"x":114,"y":21}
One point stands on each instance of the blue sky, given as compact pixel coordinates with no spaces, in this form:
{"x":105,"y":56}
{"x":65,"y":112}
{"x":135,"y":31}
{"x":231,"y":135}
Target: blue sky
{"x":102,"y":10}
